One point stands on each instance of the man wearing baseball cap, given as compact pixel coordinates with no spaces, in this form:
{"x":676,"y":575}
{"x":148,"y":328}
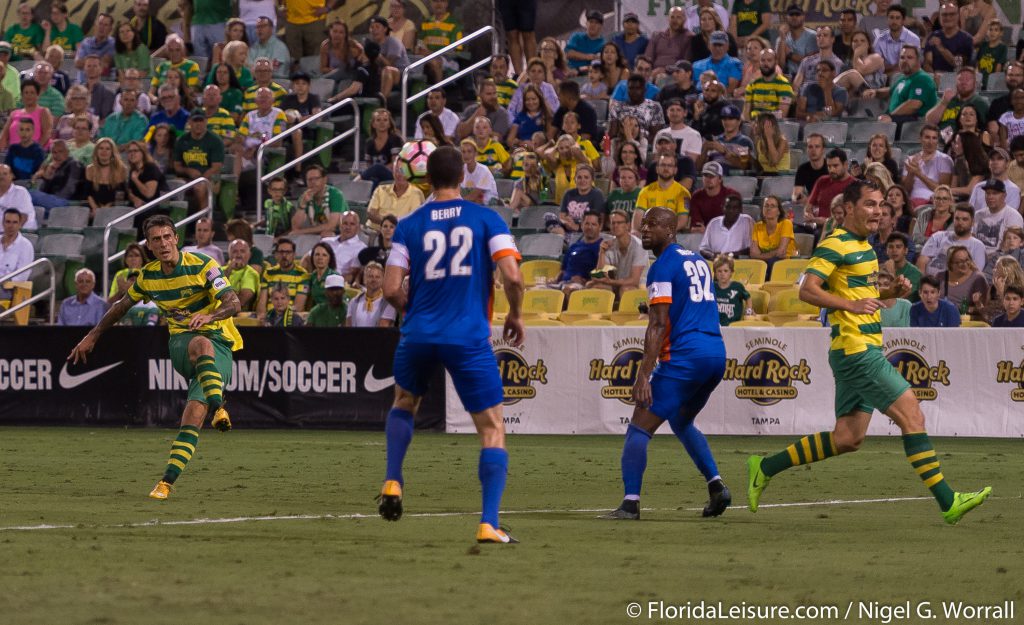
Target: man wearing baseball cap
{"x":728,"y":69}
{"x":682,"y":86}
{"x":992,"y":221}
{"x":665,"y":144}
{"x":585,"y":46}
{"x":708,"y":202}
{"x":732,"y":148}
{"x":795,"y":40}
{"x":998,"y":163}
{"x":631,"y":41}
{"x":330,"y":313}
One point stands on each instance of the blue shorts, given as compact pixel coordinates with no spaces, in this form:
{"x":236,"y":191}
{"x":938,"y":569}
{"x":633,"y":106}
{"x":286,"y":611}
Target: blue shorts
{"x":681,"y":390}
{"x":474,"y":371}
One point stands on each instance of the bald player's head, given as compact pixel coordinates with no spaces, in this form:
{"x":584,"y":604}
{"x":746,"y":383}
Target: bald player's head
{"x":658,"y":228}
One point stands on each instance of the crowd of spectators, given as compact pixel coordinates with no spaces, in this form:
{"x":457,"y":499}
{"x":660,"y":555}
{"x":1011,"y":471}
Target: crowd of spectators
{"x":600,"y":127}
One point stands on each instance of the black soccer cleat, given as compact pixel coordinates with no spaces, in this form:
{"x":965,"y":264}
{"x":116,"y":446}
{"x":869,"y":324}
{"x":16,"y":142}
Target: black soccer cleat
{"x":628,"y":510}
{"x":719,"y":499}
{"x":390,"y":501}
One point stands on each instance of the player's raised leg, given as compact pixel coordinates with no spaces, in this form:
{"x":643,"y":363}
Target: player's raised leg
{"x":906,"y":413}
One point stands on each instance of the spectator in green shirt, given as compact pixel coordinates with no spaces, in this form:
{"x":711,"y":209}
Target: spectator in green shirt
{"x":322,"y":265}
{"x":243,"y":278}
{"x":129,"y":51}
{"x":129,"y":124}
{"x":624,"y":196}
{"x":992,"y":54}
{"x":320,"y":206}
{"x":332,"y":312}
{"x":750,"y":18}
{"x":914,"y":92}
{"x":199,"y":154}
{"x":61,"y":32}
{"x":208,"y":20}
{"x":25,"y":37}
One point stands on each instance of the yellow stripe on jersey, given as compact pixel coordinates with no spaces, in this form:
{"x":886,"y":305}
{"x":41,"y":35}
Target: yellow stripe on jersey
{"x":675,"y":197}
{"x":192,"y":288}
{"x":849,"y":268}
{"x":249,"y":99}
{"x":295,"y":278}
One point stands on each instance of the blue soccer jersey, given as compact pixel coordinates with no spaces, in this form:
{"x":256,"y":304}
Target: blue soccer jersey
{"x":450,"y":249}
{"x":683,"y":280}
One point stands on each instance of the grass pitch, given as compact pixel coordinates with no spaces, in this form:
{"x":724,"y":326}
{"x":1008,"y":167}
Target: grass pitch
{"x":128,"y":559}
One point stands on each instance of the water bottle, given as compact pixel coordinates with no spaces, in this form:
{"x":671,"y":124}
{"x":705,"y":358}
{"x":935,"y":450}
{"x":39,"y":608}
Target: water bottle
{"x":958,"y":62}
{"x":606,"y":145}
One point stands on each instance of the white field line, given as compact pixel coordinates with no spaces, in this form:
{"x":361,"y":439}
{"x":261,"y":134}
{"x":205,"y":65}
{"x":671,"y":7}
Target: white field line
{"x":320,"y":517}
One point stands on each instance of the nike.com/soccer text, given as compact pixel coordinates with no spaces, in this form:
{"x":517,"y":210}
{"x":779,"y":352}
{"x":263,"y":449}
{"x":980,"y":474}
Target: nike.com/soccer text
{"x":854,"y":611}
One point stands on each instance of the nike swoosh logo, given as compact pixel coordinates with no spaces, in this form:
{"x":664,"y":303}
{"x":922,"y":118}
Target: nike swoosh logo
{"x":375,"y":385}
{"x":757,"y":482}
{"x":68,"y":381}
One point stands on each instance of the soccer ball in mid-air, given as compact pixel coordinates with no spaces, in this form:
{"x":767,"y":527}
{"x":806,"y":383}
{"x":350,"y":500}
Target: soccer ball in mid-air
{"x":412,"y":161}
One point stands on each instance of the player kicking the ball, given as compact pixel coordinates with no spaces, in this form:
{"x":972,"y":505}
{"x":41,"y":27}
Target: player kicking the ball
{"x":198,"y":304}
{"x":684,"y":338}
{"x":842,"y":278}
{"x":449,"y":249}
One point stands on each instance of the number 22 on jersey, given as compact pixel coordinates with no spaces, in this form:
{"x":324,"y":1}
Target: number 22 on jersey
{"x":460,"y":241}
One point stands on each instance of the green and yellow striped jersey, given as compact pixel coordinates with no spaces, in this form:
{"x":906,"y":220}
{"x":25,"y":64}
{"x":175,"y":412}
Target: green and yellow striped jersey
{"x":192,"y":288}
{"x":249,"y":99}
{"x":438,"y":33}
{"x":766,"y":95}
{"x":295,"y":278}
{"x":849,"y":268}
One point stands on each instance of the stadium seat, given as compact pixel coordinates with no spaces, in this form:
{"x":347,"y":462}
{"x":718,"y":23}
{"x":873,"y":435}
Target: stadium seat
{"x":636,"y":323}
{"x":863,"y":131}
{"x":690,"y":240}
{"x":996,"y":82}
{"x":910,"y":132}
{"x":788,"y":301}
{"x":358,"y":191}
{"x":601,"y":108}
{"x":751,"y":323}
{"x":779,"y":186}
{"x":65,"y":245}
{"x":791,"y":130}
{"x":69,"y":219}
{"x":264,"y":243}
{"x":304,"y":243}
{"x":543,"y":322}
{"x":801,"y":324}
{"x":593,"y":322}
{"x":759,"y":300}
{"x":796,"y":157}
{"x":974,"y":324}
{"x":543,"y":302}
{"x":310,"y":65}
{"x":322,"y":87}
{"x":745,"y":185}
{"x":505,"y":186}
{"x":834,"y":132}
{"x":628,"y":308}
{"x":505,"y":212}
{"x":804,"y":244}
{"x":533,"y":216}
{"x":750,"y":271}
{"x":787,"y":271}
{"x":33,"y":238}
{"x":591,"y":303}
{"x":533,"y":270}
{"x":543,"y":244}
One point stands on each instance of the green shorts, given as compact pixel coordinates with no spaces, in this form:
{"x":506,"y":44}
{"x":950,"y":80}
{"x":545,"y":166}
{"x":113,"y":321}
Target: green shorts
{"x":179,"y":360}
{"x":865,"y":381}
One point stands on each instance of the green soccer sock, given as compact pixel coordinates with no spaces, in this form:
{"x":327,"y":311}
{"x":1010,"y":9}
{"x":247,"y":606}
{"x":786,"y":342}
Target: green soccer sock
{"x":181,"y":452}
{"x":209,"y":378}
{"x":922,"y":457}
{"x":805,"y":451}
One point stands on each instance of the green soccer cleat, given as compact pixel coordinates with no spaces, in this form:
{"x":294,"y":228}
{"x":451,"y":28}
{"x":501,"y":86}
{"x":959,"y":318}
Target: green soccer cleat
{"x":964,"y":503}
{"x":757,"y":481}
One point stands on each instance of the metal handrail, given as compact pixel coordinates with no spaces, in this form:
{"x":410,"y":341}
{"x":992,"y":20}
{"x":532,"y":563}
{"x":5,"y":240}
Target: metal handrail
{"x":52,"y":291}
{"x":261,"y":177}
{"x":407,"y":99}
{"x":206,"y":212}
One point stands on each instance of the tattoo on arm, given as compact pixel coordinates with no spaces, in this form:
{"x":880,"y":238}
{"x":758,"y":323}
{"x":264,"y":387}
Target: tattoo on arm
{"x":229,"y":306}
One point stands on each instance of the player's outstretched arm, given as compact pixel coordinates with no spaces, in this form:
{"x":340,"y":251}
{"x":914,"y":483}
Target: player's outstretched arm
{"x":657,"y":327}
{"x":512,"y":281}
{"x":81,"y":351}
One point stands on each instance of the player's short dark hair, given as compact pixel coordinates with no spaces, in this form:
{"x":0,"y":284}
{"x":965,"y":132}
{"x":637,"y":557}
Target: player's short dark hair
{"x":283,"y":240}
{"x":644,"y":58}
{"x":931,"y":281}
{"x":157,"y":221}
{"x":14,"y":211}
{"x":926,"y":127}
{"x":853,"y":191}
{"x":677,"y":102}
{"x":848,"y":12}
{"x":27,"y":120}
{"x":440,"y":90}
{"x":837,"y":153}
{"x":594,"y":214}
{"x":899,"y":236}
{"x":570,"y":88}
{"x":965,"y":208}
{"x":636,"y":79}
{"x":815,"y":135}
{"x":32,"y":83}
{"x":898,"y":8}
{"x":1013,"y":288}
{"x":317,"y":166}
{"x":1017,"y":144}
{"x":914,"y":49}
{"x":444,"y":167}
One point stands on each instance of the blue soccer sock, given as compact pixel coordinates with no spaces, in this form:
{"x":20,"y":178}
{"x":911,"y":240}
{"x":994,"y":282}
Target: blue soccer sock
{"x":493,"y":470}
{"x":634,"y":460}
{"x":398,"y":433}
{"x":697,"y":446}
